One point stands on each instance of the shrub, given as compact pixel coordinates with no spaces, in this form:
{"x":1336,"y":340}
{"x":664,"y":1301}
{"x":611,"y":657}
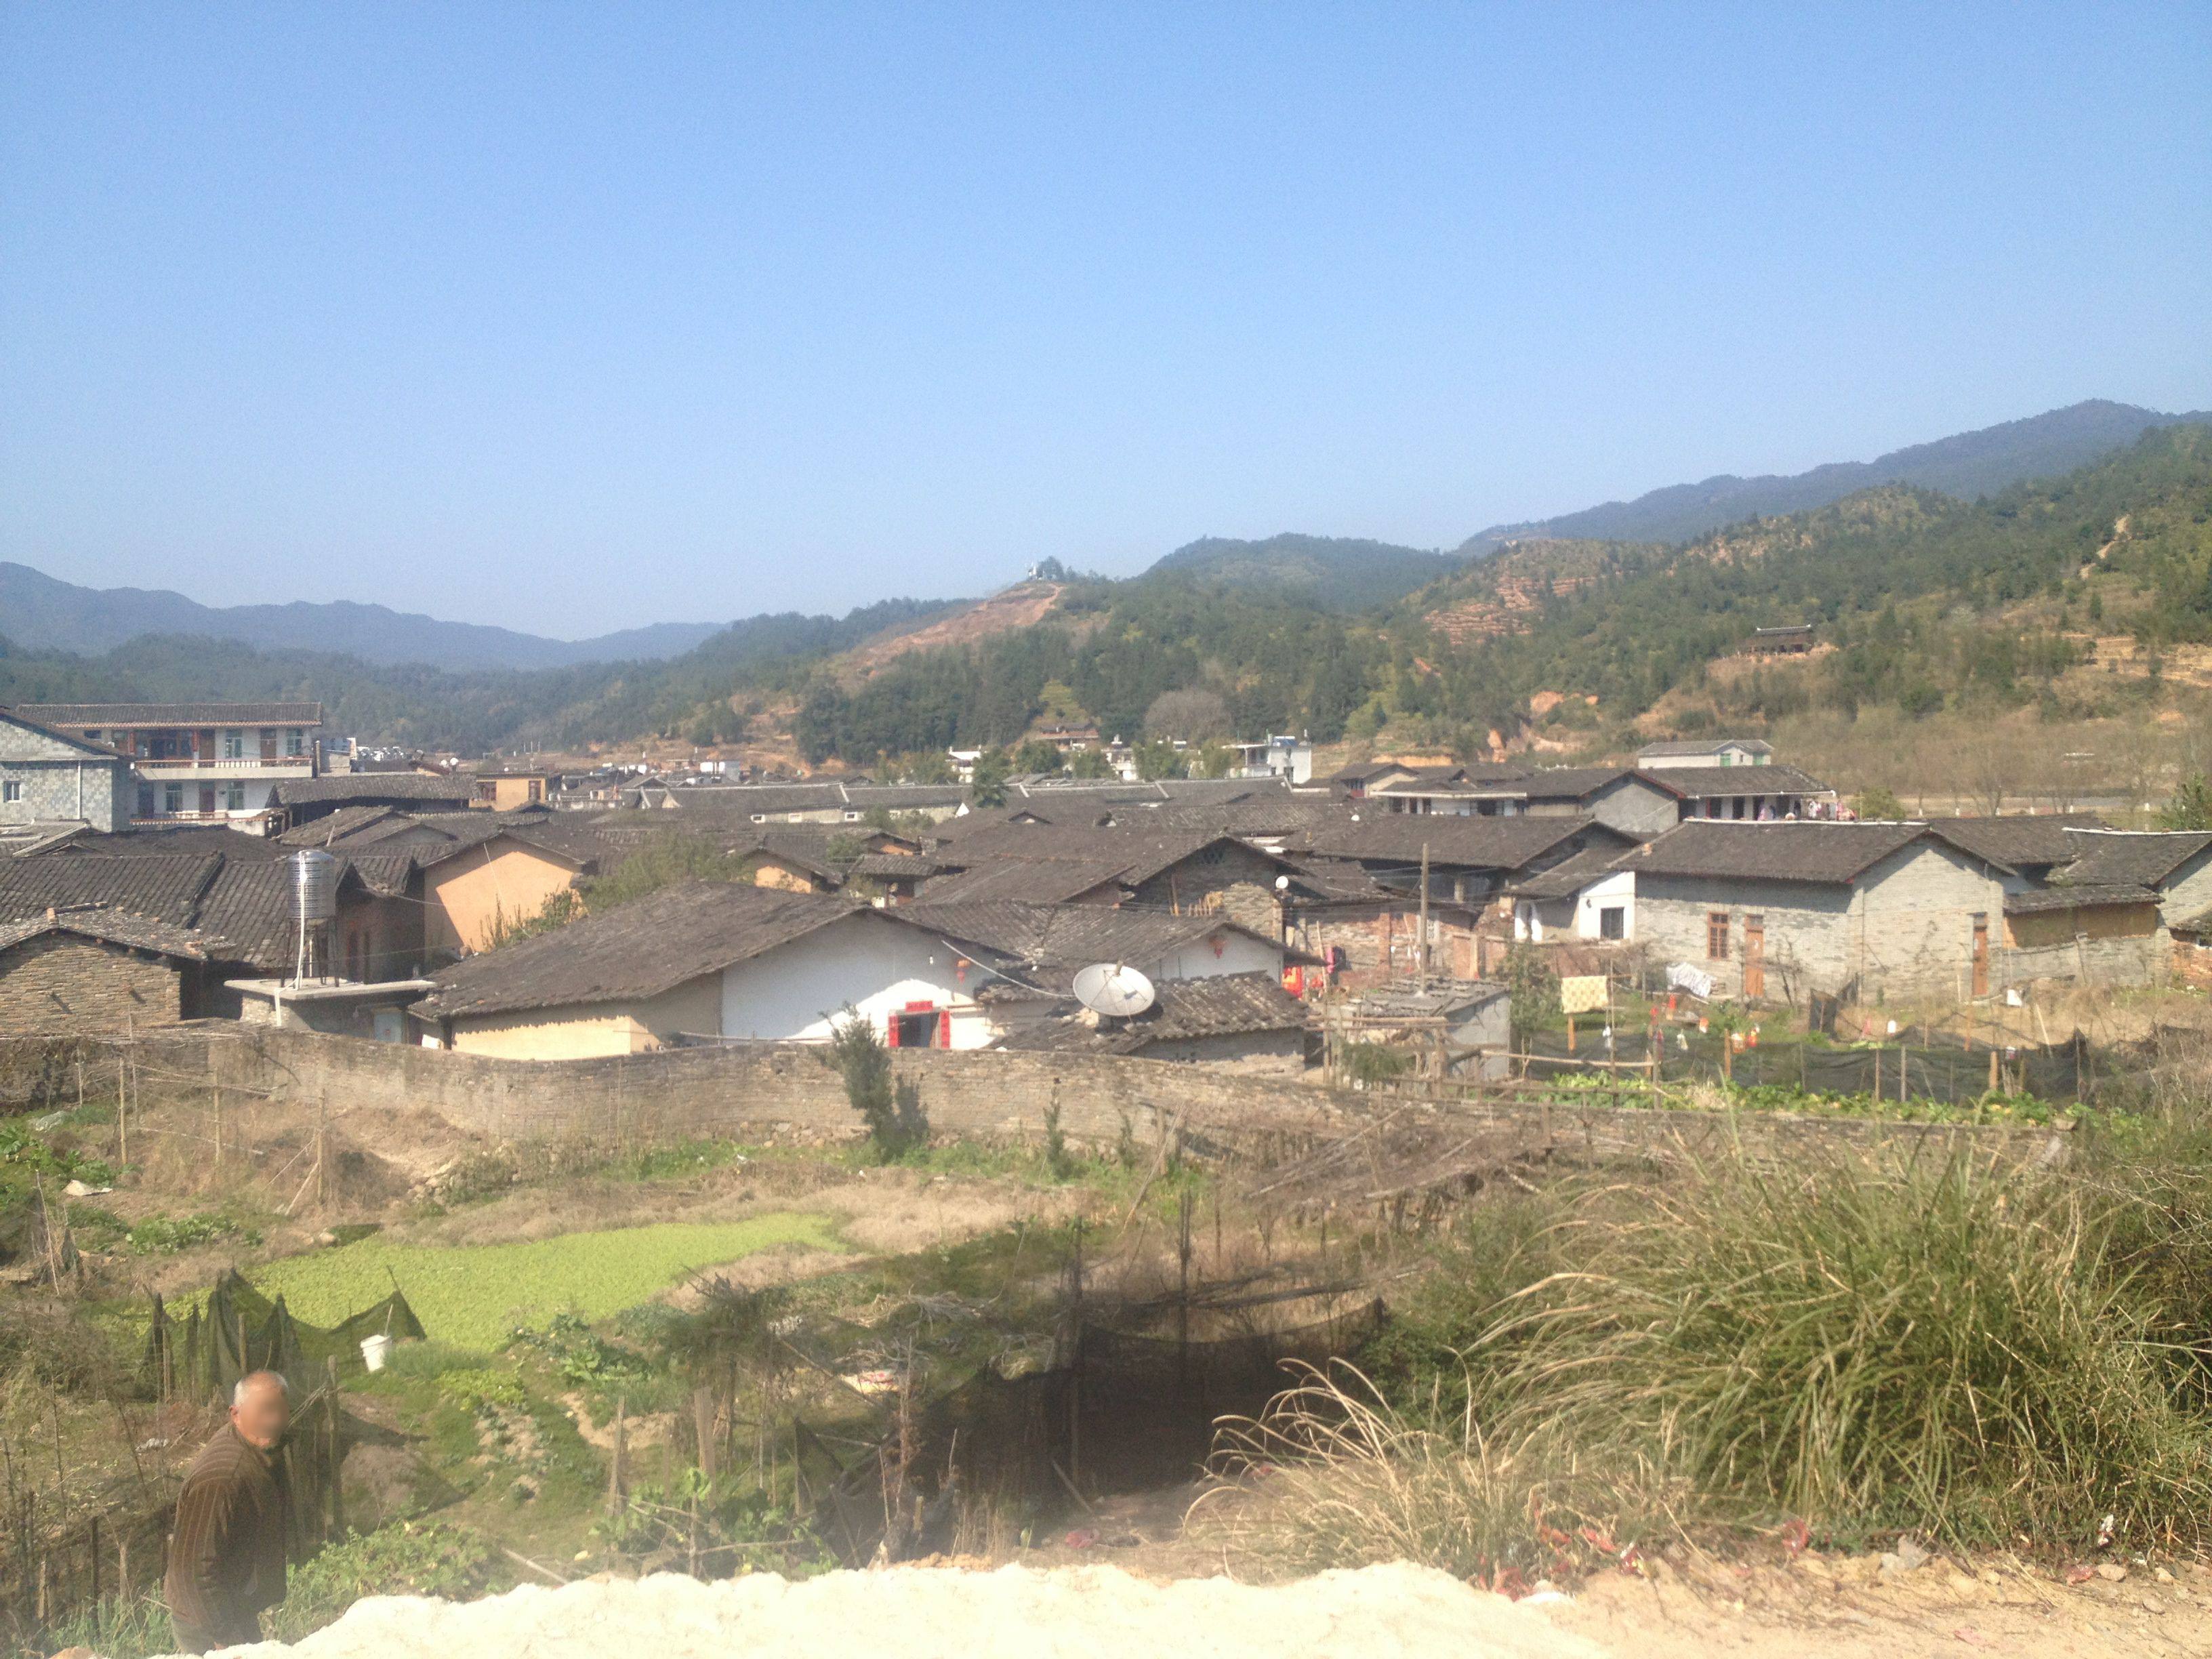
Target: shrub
{"x":166,"y":1235}
{"x":891,"y":1107}
{"x":403,"y":1558}
{"x":1058,"y":1163}
{"x":1369,"y":1063}
{"x":1535,"y":988}
{"x":473,"y":1388}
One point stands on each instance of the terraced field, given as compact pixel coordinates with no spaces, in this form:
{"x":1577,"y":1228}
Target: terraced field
{"x":472,"y":1296}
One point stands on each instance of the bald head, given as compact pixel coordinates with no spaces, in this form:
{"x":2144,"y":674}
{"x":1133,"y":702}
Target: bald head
{"x":261,"y":1408}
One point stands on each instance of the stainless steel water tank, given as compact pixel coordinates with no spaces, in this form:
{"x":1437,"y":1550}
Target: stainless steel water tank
{"x":314,"y":885}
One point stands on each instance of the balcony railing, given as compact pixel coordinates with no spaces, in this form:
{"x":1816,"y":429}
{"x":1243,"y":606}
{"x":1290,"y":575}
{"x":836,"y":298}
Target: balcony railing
{"x":297,"y":764}
{"x":221,"y":815}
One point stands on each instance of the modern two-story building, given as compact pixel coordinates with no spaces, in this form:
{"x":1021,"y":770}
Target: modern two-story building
{"x":199,"y":761}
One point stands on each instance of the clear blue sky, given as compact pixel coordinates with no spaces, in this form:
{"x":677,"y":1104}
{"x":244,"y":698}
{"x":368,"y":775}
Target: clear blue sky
{"x":576,"y":317}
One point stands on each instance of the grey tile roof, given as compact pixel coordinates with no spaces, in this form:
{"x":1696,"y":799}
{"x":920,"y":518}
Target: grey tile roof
{"x":1227,"y":1004}
{"x":746,"y":799}
{"x":1569,"y":876}
{"x":1035,"y":881}
{"x":333,"y":827}
{"x":1806,"y":851}
{"x":167,"y":890}
{"x":171,"y":841}
{"x":1053,"y":940}
{"x":2024,"y":841}
{"x":114,"y":927}
{"x":102,"y":715}
{"x":1454,"y":842}
{"x":1702,"y":782}
{"x":894,"y":866}
{"x":2131,"y":858}
{"x":1581,"y":782}
{"x":1139,"y":852}
{"x":2070,"y":898}
{"x":372,"y":786}
{"x":637,"y":950}
{"x":1118,"y":791}
{"x":244,"y":899}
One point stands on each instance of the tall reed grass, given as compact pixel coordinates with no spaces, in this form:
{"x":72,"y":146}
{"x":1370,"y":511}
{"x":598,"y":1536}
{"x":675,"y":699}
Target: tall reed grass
{"x":1988,"y":1355}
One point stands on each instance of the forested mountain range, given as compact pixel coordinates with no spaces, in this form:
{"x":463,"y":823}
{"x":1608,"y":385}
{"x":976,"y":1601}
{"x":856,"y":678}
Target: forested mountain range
{"x":1337,"y":573}
{"x":90,"y":620}
{"x":1968,"y":465}
{"x":1926,"y":600}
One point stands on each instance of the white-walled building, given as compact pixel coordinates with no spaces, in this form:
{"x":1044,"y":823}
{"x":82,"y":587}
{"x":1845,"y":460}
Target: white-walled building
{"x":710,"y":961}
{"x":199,"y":761}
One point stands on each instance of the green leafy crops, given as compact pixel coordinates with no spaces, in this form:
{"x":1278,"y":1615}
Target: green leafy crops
{"x":472,"y":1296}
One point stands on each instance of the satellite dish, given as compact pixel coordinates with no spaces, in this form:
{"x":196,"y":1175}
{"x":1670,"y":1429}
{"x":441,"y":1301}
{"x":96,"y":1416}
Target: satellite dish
{"x":1110,"y":989}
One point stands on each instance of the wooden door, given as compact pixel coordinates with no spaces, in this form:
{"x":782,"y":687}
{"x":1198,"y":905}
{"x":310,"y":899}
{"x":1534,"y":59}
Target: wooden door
{"x":1981,"y":956}
{"x":1755,"y":958}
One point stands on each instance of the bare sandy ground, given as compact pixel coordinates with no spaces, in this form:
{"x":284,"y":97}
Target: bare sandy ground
{"x":927,"y":1612}
{"x":950,"y":1612}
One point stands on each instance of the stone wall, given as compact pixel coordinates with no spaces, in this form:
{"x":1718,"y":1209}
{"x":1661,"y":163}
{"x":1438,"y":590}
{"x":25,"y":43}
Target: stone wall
{"x":750,"y":1089}
{"x":763,"y":1090}
{"x":57,"y":984}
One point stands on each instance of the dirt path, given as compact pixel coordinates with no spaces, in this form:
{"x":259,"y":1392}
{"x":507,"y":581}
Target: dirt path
{"x":1843,"y":1608}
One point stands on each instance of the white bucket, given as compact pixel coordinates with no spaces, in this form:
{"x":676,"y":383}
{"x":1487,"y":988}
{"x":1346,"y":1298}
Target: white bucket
{"x":374,"y":1350}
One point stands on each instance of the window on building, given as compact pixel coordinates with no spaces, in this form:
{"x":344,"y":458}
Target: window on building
{"x":1716,"y":935}
{"x":1612,"y":921}
{"x":11,"y":789}
{"x":233,"y":797}
{"x":295,"y":741}
{"x":172,"y":798}
{"x":233,"y":745}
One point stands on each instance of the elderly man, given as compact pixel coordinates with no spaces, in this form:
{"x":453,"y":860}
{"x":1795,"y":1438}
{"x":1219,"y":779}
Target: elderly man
{"x":226,"y":1555}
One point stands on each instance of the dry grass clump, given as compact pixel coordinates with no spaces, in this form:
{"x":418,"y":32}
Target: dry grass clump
{"x":1984,"y":1355}
{"x":1344,"y":1478}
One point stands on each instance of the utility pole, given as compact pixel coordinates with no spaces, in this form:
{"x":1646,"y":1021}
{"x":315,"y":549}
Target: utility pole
{"x":1425,"y":917}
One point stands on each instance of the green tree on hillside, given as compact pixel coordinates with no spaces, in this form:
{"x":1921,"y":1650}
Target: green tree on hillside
{"x":1037,"y":755}
{"x":1879,"y":802}
{"x":987,"y":786}
{"x":2191,"y":807}
{"x":1160,"y":759}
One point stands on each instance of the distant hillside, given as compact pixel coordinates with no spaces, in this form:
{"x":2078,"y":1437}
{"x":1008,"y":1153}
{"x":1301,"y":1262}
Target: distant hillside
{"x":1339,"y":572}
{"x":474,"y":710}
{"x":1968,"y":465}
{"x":67,"y":617}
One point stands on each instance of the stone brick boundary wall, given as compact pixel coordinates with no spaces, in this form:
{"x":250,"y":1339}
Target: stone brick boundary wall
{"x":762,"y":1090}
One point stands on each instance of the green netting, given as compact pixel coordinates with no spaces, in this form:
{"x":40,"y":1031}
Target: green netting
{"x":237,"y":1330}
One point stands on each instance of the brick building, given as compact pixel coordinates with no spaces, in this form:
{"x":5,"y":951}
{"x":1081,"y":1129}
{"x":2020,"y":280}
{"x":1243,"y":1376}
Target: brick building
{"x":91,"y":970}
{"x":49,"y":775}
